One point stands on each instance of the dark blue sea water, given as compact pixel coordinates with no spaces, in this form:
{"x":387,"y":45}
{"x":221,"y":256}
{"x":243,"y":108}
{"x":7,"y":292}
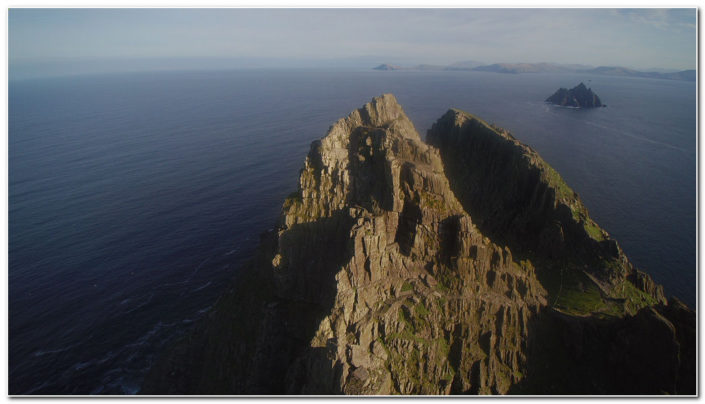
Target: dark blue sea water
{"x":134,"y":198}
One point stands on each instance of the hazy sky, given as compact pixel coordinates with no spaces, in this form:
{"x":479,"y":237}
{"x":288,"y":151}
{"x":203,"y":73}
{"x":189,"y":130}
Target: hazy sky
{"x":46,"y":39}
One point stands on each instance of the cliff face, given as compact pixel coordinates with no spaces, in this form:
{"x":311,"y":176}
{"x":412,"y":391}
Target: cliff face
{"x":523,"y":203}
{"x":578,"y":97}
{"x":386,"y":277}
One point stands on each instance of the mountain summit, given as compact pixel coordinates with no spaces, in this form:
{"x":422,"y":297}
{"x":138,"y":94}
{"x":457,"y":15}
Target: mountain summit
{"x":461,"y":266}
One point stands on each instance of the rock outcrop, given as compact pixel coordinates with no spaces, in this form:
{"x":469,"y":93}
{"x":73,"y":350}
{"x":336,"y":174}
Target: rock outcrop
{"x":578,"y":97}
{"x":462,"y":266}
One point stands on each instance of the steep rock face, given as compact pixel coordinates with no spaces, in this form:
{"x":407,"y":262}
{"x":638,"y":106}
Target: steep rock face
{"x":385,"y":278}
{"x":579,"y":97}
{"x":522,"y":202}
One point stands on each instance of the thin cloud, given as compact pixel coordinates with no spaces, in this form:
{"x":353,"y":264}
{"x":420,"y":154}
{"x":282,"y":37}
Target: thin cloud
{"x":628,"y":37}
{"x":662,"y":19}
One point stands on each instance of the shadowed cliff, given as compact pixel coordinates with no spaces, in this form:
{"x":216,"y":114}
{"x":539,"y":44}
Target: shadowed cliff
{"x":466,"y":266}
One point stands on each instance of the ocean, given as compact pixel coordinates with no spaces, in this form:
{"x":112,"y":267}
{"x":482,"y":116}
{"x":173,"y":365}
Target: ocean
{"x":134,"y":198}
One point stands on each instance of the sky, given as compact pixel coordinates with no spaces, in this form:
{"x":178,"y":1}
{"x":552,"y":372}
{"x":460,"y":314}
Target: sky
{"x":58,"y":41}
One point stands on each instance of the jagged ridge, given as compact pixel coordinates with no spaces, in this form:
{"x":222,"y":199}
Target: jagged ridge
{"x":378,"y":280}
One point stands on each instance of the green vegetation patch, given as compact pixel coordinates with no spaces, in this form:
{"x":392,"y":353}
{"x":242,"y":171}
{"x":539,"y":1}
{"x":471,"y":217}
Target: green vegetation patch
{"x":410,"y":331}
{"x":443,"y":347}
{"x":406,"y":320}
{"x":447,"y":279}
{"x":567,"y":195}
{"x":555,"y":180}
{"x":432,"y":201}
{"x":593,"y":230}
{"x":412,"y":363}
{"x":635,"y":299}
{"x":441,"y":287}
{"x":573,"y":292}
{"x":421,"y":310}
{"x":441,"y":302}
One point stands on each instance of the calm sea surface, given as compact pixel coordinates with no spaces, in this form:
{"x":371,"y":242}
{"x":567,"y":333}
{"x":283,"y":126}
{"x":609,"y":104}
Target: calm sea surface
{"x":134,"y":198}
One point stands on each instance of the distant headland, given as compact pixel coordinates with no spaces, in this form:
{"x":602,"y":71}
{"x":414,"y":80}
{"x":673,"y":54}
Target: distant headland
{"x":517,"y":68}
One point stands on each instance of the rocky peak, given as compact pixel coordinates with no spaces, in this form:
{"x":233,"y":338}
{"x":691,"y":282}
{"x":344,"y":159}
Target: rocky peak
{"x":358,"y":163}
{"x":578,"y":97}
{"x":381,"y":112}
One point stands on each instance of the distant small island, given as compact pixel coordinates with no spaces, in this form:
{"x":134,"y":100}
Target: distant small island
{"x":579,"y":97}
{"x":386,"y":66}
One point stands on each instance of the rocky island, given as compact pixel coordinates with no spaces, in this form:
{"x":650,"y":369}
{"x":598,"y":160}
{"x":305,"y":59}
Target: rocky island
{"x":578,"y":97}
{"x":386,"y":66}
{"x":460,"y":265}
